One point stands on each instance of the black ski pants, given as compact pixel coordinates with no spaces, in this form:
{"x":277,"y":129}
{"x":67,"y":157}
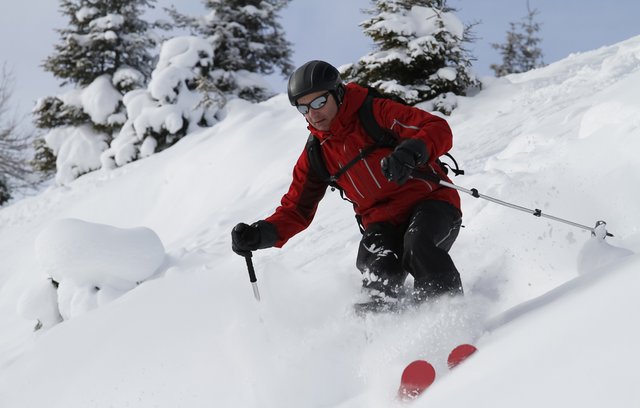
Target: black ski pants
{"x":388,"y":253}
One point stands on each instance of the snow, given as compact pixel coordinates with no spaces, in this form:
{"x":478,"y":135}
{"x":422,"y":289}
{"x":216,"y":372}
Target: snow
{"x":107,"y":23}
{"x":549,"y":306}
{"x":100,"y":99}
{"x":87,"y":265}
{"x":170,"y":100}
{"x":91,"y":254}
{"x":86,"y":13}
{"x":447,"y":73}
{"x":419,"y":22}
{"x":185,"y":52}
{"x":127,"y":78}
{"x":77,"y":148}
{"x":597,"y":253}
{"x":40,"y":304}
{"x":93,"y":264}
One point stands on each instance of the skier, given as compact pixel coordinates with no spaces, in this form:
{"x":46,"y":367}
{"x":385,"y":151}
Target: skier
{"x":409,"y":223}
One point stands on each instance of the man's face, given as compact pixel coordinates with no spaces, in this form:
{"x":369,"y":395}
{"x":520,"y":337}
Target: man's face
{"x":322,"y":117}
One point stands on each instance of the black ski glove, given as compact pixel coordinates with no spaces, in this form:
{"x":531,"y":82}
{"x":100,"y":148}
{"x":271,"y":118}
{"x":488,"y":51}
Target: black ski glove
{"x":246,"y":238}
{"x":407,"y":155}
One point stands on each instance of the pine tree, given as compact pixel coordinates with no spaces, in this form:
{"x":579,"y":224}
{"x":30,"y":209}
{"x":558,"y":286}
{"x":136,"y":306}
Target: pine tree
{"x":521,"y":51}
{"x":419,"y":53}
{"x":104,"y":37}
{"x":103,"y":53}
{"x":248,"y":42}
{"x":531,"y":51}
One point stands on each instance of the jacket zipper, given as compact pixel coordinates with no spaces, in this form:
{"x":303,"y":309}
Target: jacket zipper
{"x":428,"y":184}
{"x":371,"y":172}
{"x":431,"y":189}
{"x":397,"y":122}
{"x":352,"y":182}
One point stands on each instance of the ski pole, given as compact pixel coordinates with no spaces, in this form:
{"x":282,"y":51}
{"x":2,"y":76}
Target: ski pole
{"x":252,"y":276}
{"x":536,"y":212}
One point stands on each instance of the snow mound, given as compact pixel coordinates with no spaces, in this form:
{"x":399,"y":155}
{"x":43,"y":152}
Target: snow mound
{"x":597,"y":254}
{"x":40,"y":304}
{"x":77,"y":150}
{"x":92,"y":264}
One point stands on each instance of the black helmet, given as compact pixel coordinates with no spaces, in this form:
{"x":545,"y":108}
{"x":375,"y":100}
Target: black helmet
{"x":312,"y":77}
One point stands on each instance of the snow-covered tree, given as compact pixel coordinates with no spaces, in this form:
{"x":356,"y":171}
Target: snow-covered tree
{"x":105,"y":52}
{"x":15,"y":170}
{"x":175,"y":103}
{"x":419,"y":52}
{"x":521,"y":52}
{"x":248,"y":41}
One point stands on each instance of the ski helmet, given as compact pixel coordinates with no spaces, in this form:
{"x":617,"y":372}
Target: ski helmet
{"x":312,"y":77}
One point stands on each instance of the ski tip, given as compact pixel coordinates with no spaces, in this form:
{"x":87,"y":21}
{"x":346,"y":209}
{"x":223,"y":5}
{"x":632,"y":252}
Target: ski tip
{"x":459,"y":354}
{"x":416,"y":378}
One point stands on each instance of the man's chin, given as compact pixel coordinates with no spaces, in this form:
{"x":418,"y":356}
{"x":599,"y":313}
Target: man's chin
{"x":322,"y":125}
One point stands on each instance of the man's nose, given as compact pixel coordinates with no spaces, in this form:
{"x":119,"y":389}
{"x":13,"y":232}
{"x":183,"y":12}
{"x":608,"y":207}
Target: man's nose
{"x":314,"y":114}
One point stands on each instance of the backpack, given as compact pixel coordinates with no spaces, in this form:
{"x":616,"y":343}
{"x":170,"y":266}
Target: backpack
{"x":381,"y":136}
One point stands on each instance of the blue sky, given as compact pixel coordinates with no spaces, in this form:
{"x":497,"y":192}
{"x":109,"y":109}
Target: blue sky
{"x":329,"y":30}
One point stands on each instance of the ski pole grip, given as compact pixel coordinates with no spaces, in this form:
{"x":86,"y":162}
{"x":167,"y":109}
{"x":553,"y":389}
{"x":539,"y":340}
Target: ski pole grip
{"x":252,"y":271}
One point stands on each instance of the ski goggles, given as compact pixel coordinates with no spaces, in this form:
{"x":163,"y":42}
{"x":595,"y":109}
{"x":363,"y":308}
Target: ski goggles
{"x":315,"y":104}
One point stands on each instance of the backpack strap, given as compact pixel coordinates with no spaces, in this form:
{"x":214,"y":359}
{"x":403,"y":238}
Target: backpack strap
{"x":381,"y":136}
{"x":315,"y":159}
{"x":318,"y":166}
{"x":446,"y":166}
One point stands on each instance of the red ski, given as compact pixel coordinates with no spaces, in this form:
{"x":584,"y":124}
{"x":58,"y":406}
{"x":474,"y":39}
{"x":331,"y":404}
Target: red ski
{"x":416,"y":378}
{"x":420,"y":374}
{"x":459,"y":354}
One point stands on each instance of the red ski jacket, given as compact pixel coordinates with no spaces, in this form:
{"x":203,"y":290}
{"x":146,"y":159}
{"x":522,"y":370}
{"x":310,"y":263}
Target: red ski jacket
{"x":375,"y":198}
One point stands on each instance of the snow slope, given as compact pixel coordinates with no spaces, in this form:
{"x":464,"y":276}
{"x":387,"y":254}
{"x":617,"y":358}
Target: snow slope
{"x":550,"y":308}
